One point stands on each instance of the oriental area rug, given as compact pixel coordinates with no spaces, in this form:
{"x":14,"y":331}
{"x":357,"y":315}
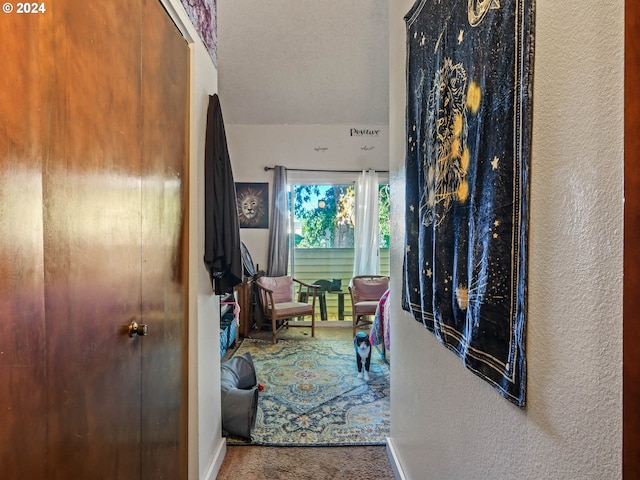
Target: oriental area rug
{"x":312,"y":396}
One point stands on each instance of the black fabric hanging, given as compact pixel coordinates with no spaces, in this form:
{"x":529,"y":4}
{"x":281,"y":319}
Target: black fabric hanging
{"x":222,"y":255}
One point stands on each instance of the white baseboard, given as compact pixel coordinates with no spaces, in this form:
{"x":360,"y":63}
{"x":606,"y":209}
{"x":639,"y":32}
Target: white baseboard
{"x":216,"y":460}
{"x":394,"y":460}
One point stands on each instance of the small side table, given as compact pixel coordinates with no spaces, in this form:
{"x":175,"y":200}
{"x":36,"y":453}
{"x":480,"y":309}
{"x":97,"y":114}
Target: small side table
{"x":340,"y":295}
{"x":322,"y":301}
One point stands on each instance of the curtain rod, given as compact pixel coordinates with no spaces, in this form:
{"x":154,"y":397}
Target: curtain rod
{"x":321,"y":170}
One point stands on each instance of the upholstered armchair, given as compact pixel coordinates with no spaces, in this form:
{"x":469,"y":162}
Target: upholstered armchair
{"x":365,"y":292}
{"x":284,"y":298}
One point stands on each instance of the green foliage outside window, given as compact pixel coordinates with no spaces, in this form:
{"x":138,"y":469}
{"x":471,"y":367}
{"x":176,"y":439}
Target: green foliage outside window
{"x":324,"y":216}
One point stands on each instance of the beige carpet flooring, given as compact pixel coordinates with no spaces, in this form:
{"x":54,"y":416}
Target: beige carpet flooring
{"x":306,"y":463}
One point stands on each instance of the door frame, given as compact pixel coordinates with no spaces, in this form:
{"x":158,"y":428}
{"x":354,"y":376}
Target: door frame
{"x":631,"y":282}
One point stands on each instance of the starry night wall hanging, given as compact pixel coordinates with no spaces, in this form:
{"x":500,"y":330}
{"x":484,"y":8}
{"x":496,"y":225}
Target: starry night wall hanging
{"x":469,"y":110}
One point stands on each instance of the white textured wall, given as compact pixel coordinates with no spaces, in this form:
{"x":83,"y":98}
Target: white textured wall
{"x":206,"y":445}
{"x":303,"y":62}
{"x":204,"y":314}
{"x":253,"y":147}
{"x":446,"y":422}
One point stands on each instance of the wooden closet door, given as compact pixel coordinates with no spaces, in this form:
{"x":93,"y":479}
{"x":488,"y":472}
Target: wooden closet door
{"x":92,"y":240}
{"x":631,"y":303}
{"x":165,"y":68}
{"x":23,"y":399}
{"x":92,"y":169}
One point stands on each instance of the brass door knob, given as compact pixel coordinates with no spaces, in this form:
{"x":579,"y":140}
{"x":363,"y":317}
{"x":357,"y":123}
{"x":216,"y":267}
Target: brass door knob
{"x":136,"y":328}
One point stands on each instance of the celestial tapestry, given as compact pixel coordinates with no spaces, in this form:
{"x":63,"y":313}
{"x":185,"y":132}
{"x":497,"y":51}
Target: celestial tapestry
{"x":202,"y":14}
{"x":469,"y":81}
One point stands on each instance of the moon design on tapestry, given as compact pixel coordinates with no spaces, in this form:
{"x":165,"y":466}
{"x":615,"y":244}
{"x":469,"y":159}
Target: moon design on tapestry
{"x":251,"y":207}
{"x":477,"y":9}
{"x":446,"y":156}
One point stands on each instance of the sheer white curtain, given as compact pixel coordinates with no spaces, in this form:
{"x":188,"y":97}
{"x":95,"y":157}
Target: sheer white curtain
{"x":367,"y":255}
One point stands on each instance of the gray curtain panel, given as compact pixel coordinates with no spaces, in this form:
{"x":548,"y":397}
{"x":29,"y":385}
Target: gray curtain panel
{"x":278,"y":241}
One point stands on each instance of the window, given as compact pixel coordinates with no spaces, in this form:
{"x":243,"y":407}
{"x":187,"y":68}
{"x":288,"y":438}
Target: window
{"x":322,"y":237}
{"x":324,"y":215}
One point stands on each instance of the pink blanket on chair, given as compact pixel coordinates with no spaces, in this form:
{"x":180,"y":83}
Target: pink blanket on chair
{"x":379,"y":334}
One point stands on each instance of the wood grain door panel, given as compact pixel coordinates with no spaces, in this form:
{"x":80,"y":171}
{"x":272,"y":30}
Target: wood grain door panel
{"x":631,"y":303}
{"x":93,"y":118}
{"x":92,"y":232}
{"x":23,"y":399}
{"x":165,"y":70}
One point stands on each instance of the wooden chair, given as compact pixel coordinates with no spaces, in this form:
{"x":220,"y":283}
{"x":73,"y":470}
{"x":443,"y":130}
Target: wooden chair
{"x":280,"y":303}
{"x":365,"y":292}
